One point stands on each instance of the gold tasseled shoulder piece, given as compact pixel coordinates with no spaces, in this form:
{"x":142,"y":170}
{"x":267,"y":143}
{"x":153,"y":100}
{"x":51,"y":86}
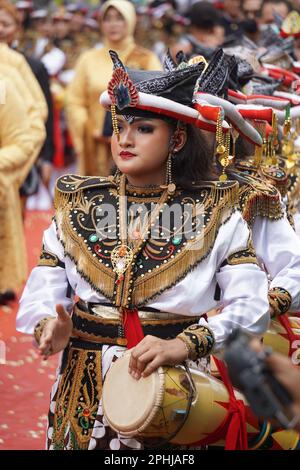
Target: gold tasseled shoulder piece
{"x":69,"y":188}
{"x":259,"y":198}
{"x":276,"y":176}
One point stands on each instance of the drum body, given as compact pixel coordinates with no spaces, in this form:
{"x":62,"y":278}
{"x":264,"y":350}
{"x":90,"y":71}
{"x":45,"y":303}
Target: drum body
{"x":278,"y":339}
{"x":168,"y":406}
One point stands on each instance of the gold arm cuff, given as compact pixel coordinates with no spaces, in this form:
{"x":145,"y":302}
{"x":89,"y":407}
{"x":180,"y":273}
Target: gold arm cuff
{"x":199,"y":341}
{"x":280,"y":300}
{"x":39,"y":328}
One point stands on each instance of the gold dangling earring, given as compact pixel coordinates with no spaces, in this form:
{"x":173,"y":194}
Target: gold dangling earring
{"x":219,"y":135}
{"x":171,"y":187}
{"x":224,"y":158}
{"x":222,"y":149}
{"x":114,"y":121}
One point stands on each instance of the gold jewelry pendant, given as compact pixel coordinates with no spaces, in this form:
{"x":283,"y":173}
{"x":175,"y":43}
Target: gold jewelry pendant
{"x":226,"y":160}
{"x":223,"y":177}
{"x":121,"y":258}
{"x":171,"y":188}
{"x":221,"y":149}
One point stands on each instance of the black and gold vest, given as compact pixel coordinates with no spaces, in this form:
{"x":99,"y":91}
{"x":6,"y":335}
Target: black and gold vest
{"x":163,"y":260}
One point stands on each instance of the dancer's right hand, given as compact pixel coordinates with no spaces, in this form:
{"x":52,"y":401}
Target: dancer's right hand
{"x":56,"y":333}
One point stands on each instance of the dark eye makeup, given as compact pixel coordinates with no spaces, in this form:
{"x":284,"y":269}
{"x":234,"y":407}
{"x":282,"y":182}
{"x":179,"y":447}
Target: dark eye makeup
{"x":140,"y":127}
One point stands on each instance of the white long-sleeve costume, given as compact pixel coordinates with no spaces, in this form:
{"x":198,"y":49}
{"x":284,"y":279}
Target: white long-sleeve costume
{"x":171,"y":278}
{"x":277,"y":246}
{"x":243,"y":287}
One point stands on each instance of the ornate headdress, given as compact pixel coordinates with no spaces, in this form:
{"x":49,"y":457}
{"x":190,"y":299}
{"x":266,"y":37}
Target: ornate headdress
{"x":173,"y":93}
{"x":167,"y":94}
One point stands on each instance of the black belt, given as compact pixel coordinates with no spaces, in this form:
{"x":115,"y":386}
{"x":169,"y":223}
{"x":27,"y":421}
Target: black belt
{"x":89,"y":327}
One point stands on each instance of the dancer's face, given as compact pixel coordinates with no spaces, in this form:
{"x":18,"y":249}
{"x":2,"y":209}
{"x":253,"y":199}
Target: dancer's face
{"x":142,"y":149}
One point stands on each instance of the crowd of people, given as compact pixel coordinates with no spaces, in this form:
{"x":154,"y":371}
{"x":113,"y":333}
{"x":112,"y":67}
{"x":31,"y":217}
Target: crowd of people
{"x":193,"y":104}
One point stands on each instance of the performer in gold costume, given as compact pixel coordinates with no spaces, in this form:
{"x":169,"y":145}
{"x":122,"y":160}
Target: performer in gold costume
{"x":85,"y":116}
{"x":17,"y":148}
{"x":23,"y":112}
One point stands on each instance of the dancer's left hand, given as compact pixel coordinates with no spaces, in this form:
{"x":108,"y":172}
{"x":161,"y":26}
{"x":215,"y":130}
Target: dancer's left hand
{"x":153,"y":352}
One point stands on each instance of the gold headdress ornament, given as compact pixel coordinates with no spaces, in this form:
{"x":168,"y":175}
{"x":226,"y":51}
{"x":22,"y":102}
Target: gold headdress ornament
{"x":122,"y":92}
{"x":291,"y":25}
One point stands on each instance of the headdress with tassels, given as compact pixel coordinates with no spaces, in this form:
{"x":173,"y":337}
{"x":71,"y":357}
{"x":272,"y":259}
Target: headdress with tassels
{"x":172,"y":93}
{"x":167,"y":94}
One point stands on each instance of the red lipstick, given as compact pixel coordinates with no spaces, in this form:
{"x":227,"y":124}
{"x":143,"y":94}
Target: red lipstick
{"x":125,"y":155}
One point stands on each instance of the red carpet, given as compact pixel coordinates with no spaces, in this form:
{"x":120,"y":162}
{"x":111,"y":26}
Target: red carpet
{"x":25,"y":380}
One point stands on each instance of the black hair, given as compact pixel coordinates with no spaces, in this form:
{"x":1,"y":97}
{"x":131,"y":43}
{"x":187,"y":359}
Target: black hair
{"x":203,"y":15}
{"x":243,"y":149}
{"x":194,"y":162}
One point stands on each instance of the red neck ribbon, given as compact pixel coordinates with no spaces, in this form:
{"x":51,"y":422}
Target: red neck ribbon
{"x":132,"y":327}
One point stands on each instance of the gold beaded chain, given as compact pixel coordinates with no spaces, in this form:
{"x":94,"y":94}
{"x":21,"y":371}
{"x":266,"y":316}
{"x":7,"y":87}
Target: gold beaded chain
{"x":123,"y":254}
{"x":275,"y":141}
{"x":114,"y":121}
{"x":219,"y":135}
{"x":224,"y":158}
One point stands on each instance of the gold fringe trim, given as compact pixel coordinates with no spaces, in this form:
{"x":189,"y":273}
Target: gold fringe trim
{"x":88,"y":266}
{"x":69,"y":188}
{"x":62,"y":199}
{"x":224,"y":202}
{"x":223,"y":198}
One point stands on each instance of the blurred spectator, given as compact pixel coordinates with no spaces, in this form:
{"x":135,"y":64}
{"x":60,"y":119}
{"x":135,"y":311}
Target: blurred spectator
{"x":166,"y":24}
{"x":78,"y":15}
{"x":251,"y":9}
{"x":288,"y":374}
{"x":271,"y":7}
{"x":9,"y":30}
{"x":61,"y":21}
{"x":16,"y":151}
{"x":22,"y":135}
{"x":231,"y":18}
{"x":205,"y":34}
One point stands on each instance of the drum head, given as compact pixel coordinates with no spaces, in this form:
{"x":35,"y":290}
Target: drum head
{"x":129,"y":405}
